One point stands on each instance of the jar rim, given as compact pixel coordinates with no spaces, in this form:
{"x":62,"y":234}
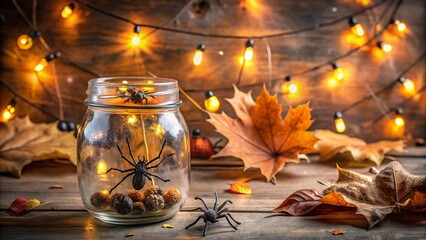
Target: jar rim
{"x":105,"y":81}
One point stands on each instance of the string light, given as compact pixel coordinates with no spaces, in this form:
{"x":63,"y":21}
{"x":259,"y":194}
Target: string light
{"x":248,"y":53}
{"x":132,"y":120}
{"x":399,"y":120}
{"x":409,"y":86}
{"x":385,"y":47}
{"x":9,"y":112}
{"x":337,"y":72}
{"x":338,"y":122}
{"x":211,"y":103}
{"x":400,"y":26}
{"x":198,"y":55}
{"x":45,"y":61}
{"x":356,"y":28}
{"x":25,"y":41}
{"x":136,"y":39}
{"x":102,"y":167}
{"x":289,"y":87}
{"x":67,"y":11}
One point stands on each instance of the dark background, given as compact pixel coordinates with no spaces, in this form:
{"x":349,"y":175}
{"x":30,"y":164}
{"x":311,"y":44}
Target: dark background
{"x":93,"y":41}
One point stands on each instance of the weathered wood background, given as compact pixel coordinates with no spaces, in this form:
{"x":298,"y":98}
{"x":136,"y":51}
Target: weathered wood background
{"x":99,"y":43}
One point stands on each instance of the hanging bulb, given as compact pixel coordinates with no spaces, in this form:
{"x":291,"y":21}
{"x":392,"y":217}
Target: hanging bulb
{"x":248,"y":53}
{"x":25,"y":41}
{"x":102,"y":167}
{"x":400,"y":26}
{"x":385,"y":47}
{"x":45,"y":61}
{"x":289,"y":87}
{"x":399,"y":120}
{"x":409,"y":86}
{"x":338,"y":72}
{"x":136,"y":39}
{"x":211,"y":103}
{"x":356,"y":28}
{"x":198,"y":56}
{"x":9,"y":112}
{"x":338,"y":122}
{"x":67,"y":11}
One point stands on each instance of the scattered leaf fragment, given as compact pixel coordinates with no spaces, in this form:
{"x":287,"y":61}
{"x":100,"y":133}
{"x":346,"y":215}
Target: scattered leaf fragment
{"x":338,"y":232}
{"x":130,"y":234}
{"x":331,"y":144}
{"x":260,"y":137}
{"x":240,"y":187}
{"x":300,"y":202}
{"x":31,"y":204}
{"x":167,"y":225}
{"x":18,"y":205}
{"x":56,"y":186}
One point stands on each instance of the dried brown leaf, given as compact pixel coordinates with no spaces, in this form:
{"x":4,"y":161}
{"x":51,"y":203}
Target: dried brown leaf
{"x":300,"y":202}
{"x":23,"y":141}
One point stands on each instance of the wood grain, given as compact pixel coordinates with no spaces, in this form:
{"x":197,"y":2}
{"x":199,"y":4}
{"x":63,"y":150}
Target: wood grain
{"x":100,"y":44}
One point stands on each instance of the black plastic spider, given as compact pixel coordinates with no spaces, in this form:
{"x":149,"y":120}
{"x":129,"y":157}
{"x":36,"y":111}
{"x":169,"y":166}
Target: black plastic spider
{"x":136,"y":96}
{"x":140,"y":168}
{"x":213,"y":215}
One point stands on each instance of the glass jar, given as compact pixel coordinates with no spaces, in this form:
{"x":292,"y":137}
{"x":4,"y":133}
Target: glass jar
{"x":133,"y":150}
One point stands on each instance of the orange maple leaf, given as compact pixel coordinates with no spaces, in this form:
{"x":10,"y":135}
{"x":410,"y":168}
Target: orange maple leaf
{"x":260,"y":137}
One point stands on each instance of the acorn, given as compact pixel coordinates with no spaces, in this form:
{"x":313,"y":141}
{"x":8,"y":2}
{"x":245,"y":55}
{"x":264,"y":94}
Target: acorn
{"x":99,"y":200}
{"x":135,"y":195}
{"x":122,"y":204}
{"x":154,"y":202}
{"x":154,"y":190}
{"x":111,"y":198}
{"x":139,"y":207}
{"x":172,"y":196}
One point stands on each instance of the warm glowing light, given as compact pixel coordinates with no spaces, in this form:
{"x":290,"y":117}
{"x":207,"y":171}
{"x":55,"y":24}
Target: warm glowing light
{"x":41,"y":65}
{"x":211,"y":103}
{"x":105,"y":192}
{"x":102,"y":167}
{"x":339,"y":123}
{"x":136,"y":40}
{"x":248,"y":53}
{"x":364,"y":2}
{"x":67,"y":11}
{"x":399,"y":121}
{"x":338,"y":72}
{"x":292,"y":88}
{"x":6,"y":115}
{"x":385,"y":47}
{"x":401,"y":27}
{"x":157,"y":129}
{"x":150,"y":82}
{"x":240,"y":187}
{"x":409,"y":86}
{"x":132,"y":120}
{"x":332,"y":82}
{"x":125,"y":82}
{"x":289,"y":87}
{"x":198,"y":55}
{"x":356,"y":28}
{"x":25,"y":42}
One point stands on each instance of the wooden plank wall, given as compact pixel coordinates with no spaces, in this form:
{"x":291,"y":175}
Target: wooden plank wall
{"x":100,"y":44}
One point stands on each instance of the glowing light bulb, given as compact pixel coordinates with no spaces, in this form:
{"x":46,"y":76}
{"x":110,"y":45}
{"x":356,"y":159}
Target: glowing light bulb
{"x":157,"y":129}
{"x":339,"y":123}
{"x":338,"y":72}
{"x":364,"y":2}
{"x":211,"y":103}
{"x":356,"y":28}
{"x":25,"y":42}
{"x":67,"y":11}
{"x":10,"y":110}
{"x":399,"y":120}
{"x":198,"y":55}
{"x":136,"y":39}
{"x":132,"y":120}
{"x":400,"y":26}
{"x":289,"y":87}
{"x":45,"y":61}
{"x":249,"y":53}
{"x":385,"y":47}
{"x":102,"y":167}
{"x":409,"y":86}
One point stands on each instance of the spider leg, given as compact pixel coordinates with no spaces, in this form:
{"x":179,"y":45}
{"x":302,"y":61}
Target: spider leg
{"x":227,"y":219}
{"x":205,"y":228}
{"x":130,"y":150}
{"x":198,"y":198}
{"x":215,"y":201}
{"x":192,"y":224}
{"x":228,"y":214}
{"x":122,"y":156}
{"x":119,"y":170}
{"x":153,"y":175}
{"x":146,"y":100}
{"x":128,"y":175}
{"x":159,"y":154}
{"x":222,"y":211}
{"x":198,"y":208}
{"x":171,"y":154}
{"x":223,"y":204}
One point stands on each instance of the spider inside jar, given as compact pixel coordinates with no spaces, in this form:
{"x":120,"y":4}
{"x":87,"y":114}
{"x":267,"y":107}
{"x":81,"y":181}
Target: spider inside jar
{"x":136,"y":96}
{"x":140,"y":168}
{"x":212,"y":215}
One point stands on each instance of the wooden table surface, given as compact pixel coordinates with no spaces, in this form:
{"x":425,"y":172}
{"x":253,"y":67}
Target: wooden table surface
{"x":66,"y":218}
